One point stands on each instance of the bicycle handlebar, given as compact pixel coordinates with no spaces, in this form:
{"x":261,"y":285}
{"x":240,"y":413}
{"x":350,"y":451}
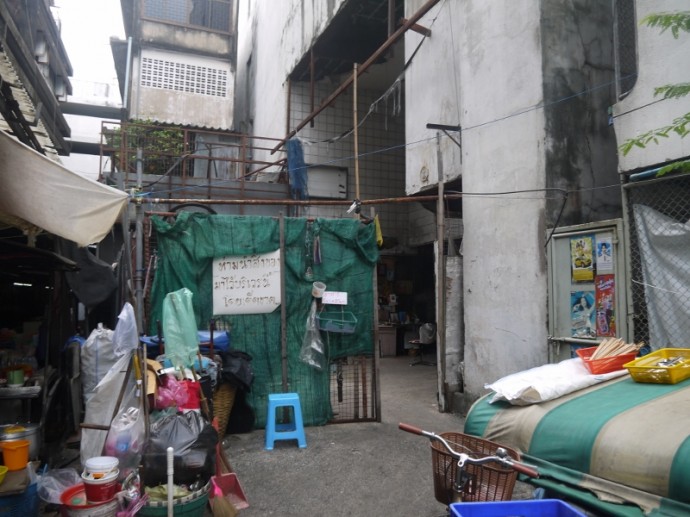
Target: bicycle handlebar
{"x":501,"y":455}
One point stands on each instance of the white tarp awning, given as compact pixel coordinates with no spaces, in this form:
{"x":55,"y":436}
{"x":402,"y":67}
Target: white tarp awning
{"x":35,"y":191}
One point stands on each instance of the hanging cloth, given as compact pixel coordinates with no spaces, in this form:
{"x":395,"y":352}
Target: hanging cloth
{"x":297,"y":169}
{"x":377,"y":227}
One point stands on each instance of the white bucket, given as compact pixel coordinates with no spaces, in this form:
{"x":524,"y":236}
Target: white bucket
{"x":100,"y":466}
{"x":317,"y":289}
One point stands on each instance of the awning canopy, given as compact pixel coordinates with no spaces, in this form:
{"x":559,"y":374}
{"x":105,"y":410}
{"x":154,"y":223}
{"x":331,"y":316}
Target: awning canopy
{"x":36,"y":192}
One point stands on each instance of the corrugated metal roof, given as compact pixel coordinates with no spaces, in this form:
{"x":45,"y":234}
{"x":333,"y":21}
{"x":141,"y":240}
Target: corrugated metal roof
{"x":26,"y":106}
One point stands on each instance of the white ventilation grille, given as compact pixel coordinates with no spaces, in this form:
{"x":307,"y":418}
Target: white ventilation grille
{"x":183,"y":77}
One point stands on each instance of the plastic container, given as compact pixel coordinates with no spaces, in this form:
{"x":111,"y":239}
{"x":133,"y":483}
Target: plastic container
{"x":3,"y":473}
{"x":232,"y":490}
{"x":605,"y":364}
{"x":21,"y":505}
{"x":192,"y":505}
{"x":23,"y":431}
{"x":75,"y":504}
{"x":100,"y":466}
{"x":530,"y":508}
{"x":100,"y":490}
{"x":340,"y":322}
{"x":664,"y":366}
{"x":15,"y":454}
{"x":317,"y":289}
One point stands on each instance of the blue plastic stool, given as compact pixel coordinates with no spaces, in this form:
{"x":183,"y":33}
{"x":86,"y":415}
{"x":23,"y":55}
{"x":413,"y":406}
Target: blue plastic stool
{"x":289,"y":431}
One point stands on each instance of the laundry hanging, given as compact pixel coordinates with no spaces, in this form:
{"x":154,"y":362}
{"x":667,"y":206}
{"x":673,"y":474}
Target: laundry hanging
{"x":297,"y":169}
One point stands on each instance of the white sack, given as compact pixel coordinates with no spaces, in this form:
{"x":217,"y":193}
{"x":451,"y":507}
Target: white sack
{"x":546,"y":382}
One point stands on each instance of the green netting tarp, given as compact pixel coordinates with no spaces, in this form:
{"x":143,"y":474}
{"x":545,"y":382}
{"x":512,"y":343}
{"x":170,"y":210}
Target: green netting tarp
{"x":341,"y":253}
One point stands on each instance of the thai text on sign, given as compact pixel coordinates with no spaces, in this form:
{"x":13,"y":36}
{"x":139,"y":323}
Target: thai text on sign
{"x":246,"y":284}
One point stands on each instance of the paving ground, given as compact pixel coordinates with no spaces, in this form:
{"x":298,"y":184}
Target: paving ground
{"x":367,"y":469}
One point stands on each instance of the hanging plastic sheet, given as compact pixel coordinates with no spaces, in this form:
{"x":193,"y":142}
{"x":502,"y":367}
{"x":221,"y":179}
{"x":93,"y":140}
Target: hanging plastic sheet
{"x":313,"y":350}
{"x":179,"y":328}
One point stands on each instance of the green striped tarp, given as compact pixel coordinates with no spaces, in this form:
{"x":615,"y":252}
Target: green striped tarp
{"x":618,"y":442}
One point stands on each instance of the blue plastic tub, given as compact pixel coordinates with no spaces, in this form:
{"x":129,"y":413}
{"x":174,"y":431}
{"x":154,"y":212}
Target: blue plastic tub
{"x":529,"y":508}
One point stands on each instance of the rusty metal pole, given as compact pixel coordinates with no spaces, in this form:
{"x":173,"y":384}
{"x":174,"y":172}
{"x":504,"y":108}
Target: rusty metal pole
{"x":356,"y":132}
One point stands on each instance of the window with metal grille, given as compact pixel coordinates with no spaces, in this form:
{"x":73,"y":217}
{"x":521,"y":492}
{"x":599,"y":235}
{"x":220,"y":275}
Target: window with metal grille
{"x":625,"y":46}
{"x":183,"y":77}
{"x":213,"y":15}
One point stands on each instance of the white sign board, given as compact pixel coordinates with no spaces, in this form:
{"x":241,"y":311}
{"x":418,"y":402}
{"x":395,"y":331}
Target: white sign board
{"x":335,"y":298}
{"x":247,"y":284}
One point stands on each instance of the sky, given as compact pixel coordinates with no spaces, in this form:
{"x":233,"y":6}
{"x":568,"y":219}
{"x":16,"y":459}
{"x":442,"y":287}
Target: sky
{"x":87,"y":26}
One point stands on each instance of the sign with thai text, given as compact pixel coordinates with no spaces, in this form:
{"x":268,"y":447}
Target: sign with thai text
{"x":247,"y":284}
{"x":335,"y":298}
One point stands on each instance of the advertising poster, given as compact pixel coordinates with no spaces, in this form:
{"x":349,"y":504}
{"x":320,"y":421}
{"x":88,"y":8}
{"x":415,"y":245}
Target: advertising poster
{"x":582,"y":314}
{"x":605,"y":253}
{"x":605,"y":303}
{"x":582,"y":258}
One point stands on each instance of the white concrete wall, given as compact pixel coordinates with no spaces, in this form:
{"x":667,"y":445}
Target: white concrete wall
{"x":662,"y":60}
{"x":275,"y":35}
{"x":432,"y":87}
{"x":498,"y":75}
{"x":167,"y":105}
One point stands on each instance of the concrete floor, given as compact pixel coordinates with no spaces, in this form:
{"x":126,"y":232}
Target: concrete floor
{"x":367,"y":469}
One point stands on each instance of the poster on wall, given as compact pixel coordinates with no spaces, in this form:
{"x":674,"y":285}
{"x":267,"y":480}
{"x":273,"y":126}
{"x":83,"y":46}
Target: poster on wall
{"x":247,"y":284}
{"x":582,"y":314}
{"x":604,"y":253}
{"x":605,"y":303}
{"x":582,"y":258}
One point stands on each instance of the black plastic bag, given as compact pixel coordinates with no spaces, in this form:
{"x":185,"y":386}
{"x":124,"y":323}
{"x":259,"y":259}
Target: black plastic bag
{"x":237,"y":369}
{"x":193,"y":440}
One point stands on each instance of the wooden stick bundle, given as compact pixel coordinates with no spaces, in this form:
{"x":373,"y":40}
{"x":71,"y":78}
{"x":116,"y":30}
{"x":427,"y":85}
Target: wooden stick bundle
{"x":610,"y":347}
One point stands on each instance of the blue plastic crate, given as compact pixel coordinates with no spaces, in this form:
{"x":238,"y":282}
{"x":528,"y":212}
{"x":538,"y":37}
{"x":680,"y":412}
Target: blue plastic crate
{"x":529,"y":508}
{"x":20,"y":505}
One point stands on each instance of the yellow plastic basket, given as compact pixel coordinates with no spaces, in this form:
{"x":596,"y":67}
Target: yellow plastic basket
{"x":663,"y":366}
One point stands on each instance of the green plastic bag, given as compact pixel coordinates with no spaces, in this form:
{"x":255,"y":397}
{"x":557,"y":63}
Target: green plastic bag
{"x":179,"y":328}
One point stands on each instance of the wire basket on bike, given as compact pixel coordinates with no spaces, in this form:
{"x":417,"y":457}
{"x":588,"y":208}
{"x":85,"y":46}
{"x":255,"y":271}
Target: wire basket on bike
{"x":488,"y":482}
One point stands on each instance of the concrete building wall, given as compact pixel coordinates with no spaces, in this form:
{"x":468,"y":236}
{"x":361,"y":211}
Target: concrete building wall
{"x":203,"y":99}
{"x":516,"y":67}
{"x":273,"y":37}
{"x":494,"y":68}
{"x":432,"y":90}
{"x":579,"y":88}
{"x":503,"y":151}
{"x":212,"y":44}
{"x":661,"y":60}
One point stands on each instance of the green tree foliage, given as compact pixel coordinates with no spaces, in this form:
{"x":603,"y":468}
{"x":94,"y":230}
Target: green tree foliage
{"x":676,"y":23}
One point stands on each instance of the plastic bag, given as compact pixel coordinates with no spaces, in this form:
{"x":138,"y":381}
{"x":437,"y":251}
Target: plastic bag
{"x":172,"y":393}
{"x":193,"y":440}
{"x":179,"y":328}
{"x":101,"y":407}
{"x":313,"y":351}
{"x":125,"y":336}
{"x":97,"y":356}
{"x":53,"y":483}
{"x":127,"y":434}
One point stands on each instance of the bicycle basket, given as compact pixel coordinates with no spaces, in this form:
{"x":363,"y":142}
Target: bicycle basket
{"x":488,"y":482}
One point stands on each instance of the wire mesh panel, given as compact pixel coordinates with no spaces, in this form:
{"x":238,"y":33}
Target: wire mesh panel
{"x":659,"y":240}
{"x":352,"y":389}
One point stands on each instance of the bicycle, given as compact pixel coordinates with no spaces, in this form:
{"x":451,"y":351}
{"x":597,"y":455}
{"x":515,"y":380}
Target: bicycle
{"x":476,"y":478}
